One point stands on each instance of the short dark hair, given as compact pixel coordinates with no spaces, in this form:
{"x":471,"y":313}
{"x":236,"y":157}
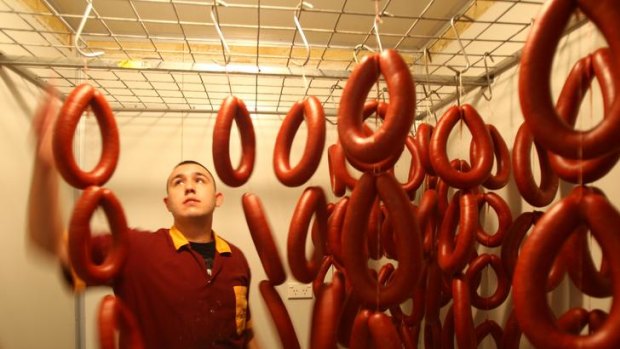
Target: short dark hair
{"x":194,"y":162}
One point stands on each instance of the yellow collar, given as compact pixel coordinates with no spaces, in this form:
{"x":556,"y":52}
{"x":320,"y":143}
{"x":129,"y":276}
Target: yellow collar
{"x":179,"y":240}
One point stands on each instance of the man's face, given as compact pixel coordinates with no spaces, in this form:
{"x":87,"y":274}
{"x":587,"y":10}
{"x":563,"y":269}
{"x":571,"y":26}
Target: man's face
{"x":191,"y":192}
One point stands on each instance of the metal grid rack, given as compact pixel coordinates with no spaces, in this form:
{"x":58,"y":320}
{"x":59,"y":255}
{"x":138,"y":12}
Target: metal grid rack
{"x":168,"y":56}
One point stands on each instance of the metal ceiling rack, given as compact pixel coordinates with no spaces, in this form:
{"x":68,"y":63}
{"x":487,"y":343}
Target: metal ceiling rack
{"x":167,"y":57}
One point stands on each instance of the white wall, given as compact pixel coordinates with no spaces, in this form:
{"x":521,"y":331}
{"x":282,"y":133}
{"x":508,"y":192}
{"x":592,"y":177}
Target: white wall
{"x":36,"y":309}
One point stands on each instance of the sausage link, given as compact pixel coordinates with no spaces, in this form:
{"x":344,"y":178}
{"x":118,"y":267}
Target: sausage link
{"x":113,"y":316}
{"x":262,"y":237}
{"x":326,"y":314}
{"x":310,"y":110}
{"x":406,"y":230}
{"x":502,"y":157}
{"x":80,"y":249}
{"x":534,"y":81}
{"x":583,"y":206}
{"x":481,"y":166}
{"x":76,"y":103}
{"x":575,"y":88}
{"x":538,"y":196}
{"x":311,"y":203}
{"x":233,"y":108}
{"x":390,"y":137}
{"x":279,"y":315}
{"x":504,"y":217}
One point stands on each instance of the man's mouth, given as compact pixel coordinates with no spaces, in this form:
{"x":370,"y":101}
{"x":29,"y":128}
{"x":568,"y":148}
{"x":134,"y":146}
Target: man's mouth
{"x":187,"y":201}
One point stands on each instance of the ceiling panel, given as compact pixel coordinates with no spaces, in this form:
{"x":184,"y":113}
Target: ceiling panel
{"x":156,"y":51}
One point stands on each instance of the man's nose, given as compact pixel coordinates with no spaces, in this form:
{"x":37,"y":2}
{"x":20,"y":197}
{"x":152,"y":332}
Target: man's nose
{"x":190,"y":188}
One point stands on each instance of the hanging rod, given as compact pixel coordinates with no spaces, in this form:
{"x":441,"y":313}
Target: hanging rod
{"x":209,"y":68}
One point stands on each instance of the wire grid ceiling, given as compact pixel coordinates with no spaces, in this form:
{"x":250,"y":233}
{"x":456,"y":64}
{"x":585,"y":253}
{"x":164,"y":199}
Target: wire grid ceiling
{"x":167,"y":55}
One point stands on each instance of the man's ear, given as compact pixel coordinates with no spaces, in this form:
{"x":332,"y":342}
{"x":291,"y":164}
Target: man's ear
{"x":219,"y":199}
{"x":166,"y":203}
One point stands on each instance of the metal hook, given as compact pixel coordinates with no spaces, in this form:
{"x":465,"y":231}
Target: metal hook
{"x":78,"y":34}
{"x":489,"y":77}
{"x":215,"y":17}
{"x":458,"y":38}
{"x":358,"y":48}
{"x":296,"y":15}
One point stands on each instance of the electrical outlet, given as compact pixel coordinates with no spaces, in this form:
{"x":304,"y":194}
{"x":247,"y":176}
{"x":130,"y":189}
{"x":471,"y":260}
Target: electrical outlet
{"x":299,"y":291}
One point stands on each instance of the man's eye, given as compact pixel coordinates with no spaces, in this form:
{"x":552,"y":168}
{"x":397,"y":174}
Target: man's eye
{"x":177,"y":182}
{"x":200,"y":180}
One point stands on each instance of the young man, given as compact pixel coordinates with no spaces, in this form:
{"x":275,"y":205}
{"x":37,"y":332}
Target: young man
{"x":186,"y":286}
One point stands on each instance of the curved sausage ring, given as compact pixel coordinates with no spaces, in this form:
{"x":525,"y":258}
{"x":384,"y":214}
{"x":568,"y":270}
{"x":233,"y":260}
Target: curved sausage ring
{"x":535,"y":195}
{"x":422,"y":139}
{"x":573,"y":92}
{"x":263,"y":238}
{"x":62,"y":142}
{"x":463,"y":321}
{"x":112,"y":313}
{"x":474,"y":273}
{"x":406,"y":232}
{"x":337,"y":171}
{"x":311,"y":110}
{"x":454,"y":252}
{"x":390,"y":137}
{"x":536,"y":103}
{"x":504,"y":217}
{"x":233,"y":108}
{"x":383,"y":332}
{"x":502,"y":156}
{"x":334,"y":230}
{"x":489,"y":327}
{"x":536,"y":319}
{"x":326,"y":311}
{"x":312,"y":202}
{"x":481,"y":166}
{"x":581,"y":268}
{"x":80,"y":251}
{"x":279,"y":314}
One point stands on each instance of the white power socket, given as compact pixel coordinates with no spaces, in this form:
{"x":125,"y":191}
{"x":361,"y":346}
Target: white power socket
{"x":299,"y":291}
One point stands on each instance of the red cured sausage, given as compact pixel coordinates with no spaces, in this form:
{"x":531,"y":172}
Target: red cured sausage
{"x":334,"y":230}
{"x":233,"y":108}
{"x":536,"y":319}
{"x":512,"y":333}
{"x":504,"y":217}
{"x":454,"y":249}
{"x":502,"y":157}
{"x":390,"y":137}
{"x":489,"y":327}
{"x":534,"y":75}
{"x":474,"y":271}
{"x":311,"y":110}
{"x":336,"y":170}
{"x":326,"y":314}
{"x":319,"y":280}
{"x":112,"y":313}
{"x":418,"y":298}
{"x":463,"y":321}
{"x":512,"y":242}
{"x":80,"y":250}
{"x":360,"y":333}
{"x":538,"y":196}
{"x":422,"y":140}
{"x":416,"y":170}
{"x":481,"y":166}
{"x":312,"y":202}
{"x":384,"y":334}
{"x":406,"y":231}
{"x":279,"y":315}
{"x":76,"y":103}
{"x":262,"y":237}
{"x":581,"y":268}
{"x":578,"y":82}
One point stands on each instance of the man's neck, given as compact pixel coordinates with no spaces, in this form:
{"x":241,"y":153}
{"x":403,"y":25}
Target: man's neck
{"x":195,"y":231}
